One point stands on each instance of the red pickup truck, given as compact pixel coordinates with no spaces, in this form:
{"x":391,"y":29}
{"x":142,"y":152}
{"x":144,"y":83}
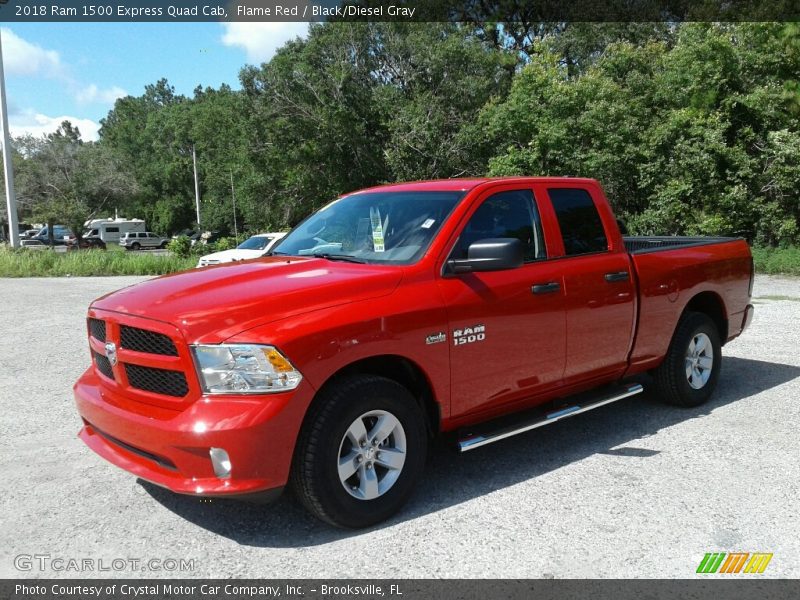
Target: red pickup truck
{"x":481,"y":307}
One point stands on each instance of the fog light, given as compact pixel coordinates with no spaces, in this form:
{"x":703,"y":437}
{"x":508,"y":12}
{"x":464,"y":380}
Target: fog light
{"x":221,"y":462}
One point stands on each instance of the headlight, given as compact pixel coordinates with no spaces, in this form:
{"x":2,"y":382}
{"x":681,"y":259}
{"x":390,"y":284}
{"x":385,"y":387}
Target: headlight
{"x":244,"y":369}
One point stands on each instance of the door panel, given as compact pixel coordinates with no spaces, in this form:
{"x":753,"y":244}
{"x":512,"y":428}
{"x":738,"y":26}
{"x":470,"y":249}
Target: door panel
{"x":522,"y":350}
{"x":507,"y":343}
{"x":599,"y":288}
{"x":600,"y":315}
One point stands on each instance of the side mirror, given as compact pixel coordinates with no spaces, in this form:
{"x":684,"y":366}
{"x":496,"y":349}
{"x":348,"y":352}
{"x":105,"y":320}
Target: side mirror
{"x":492,"y":254}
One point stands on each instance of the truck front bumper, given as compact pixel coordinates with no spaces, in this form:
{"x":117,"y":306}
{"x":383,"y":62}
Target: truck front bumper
{"x":172,"y":449}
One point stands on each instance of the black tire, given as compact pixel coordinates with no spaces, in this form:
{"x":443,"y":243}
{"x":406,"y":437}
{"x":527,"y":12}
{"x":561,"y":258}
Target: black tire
{"x":135,"y":246}
{"x":315,"y":477}
{"x":671,"y":378}
{"x":164,"y":245}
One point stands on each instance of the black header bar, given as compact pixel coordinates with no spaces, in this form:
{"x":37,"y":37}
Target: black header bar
{"x":398,"y":10}
{"x":730,"y":588}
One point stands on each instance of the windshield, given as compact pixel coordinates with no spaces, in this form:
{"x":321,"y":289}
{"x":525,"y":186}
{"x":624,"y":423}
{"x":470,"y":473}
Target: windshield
{"x":255,"y":243}
{"x":377,"y":227}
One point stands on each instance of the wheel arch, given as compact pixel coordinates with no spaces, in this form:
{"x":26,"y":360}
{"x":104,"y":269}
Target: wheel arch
{"x":712,"y":305}
{"x":400,"y":369}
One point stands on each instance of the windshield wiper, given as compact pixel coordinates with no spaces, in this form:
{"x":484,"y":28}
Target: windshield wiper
{"x":342,"y":257}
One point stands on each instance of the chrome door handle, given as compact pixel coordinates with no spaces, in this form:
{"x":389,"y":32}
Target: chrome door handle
{"x":546,"y":288}
{"x":618,"y":276}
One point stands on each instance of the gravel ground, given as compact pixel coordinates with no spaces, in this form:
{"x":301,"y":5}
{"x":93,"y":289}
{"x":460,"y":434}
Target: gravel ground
{"x":633,"y":489}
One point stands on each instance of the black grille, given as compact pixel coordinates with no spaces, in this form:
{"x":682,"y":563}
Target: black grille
{"x":97,"y":329}
{"x":158,"y":381}
{"x":103,"y":365}
{"x":142,"y":340}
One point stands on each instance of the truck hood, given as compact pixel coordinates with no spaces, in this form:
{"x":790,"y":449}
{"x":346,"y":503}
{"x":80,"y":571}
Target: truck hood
{"x":212,"y":304}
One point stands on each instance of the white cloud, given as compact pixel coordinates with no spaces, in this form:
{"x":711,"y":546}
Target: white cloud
{"x":24,"y":58}
{"x":261,"y":40}
{"x":92,"y":93}
{"x":37,"y":124}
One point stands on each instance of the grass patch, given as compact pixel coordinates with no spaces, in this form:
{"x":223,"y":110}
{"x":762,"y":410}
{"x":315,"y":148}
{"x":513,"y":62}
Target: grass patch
{"x":88,"y":263}
{"x":777,"y":261}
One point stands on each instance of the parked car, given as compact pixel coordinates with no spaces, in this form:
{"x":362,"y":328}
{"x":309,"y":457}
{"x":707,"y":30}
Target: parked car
{"x":28,"y":234}
{"x":61,"y":236}
{"x":254,"y":247}
{"x":394,"y":315}
{"x":87,"y":243}
{"x":143,"y":240}
{"x":61,"y":233}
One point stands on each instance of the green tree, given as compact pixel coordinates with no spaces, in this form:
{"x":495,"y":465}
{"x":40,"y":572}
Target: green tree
{"x":692,"y":128}
{"x":692,"y":136}
{"x":150,"y":133}
{"x":315,"y":126}
{"x":436,"y":78}
{"x":63,"y":180}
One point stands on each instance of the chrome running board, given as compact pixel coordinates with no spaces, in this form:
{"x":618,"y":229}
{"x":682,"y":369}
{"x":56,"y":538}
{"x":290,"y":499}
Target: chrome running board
{"x":486,"y":434}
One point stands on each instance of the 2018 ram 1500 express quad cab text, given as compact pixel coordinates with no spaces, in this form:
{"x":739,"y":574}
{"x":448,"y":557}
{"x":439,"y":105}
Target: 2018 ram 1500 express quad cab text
{"x":483,"y":307}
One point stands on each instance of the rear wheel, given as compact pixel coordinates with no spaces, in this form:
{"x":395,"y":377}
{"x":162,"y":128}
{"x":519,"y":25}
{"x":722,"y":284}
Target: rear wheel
{"x":360,"y":452}
{"x":690,"y":370}
{"x":164,"y":245}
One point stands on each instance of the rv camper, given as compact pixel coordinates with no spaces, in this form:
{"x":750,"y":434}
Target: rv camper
{"x":112,"y":230}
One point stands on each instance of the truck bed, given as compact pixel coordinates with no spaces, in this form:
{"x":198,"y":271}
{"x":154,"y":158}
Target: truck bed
{"x":670,"y":271}
{"x":639,"y":244}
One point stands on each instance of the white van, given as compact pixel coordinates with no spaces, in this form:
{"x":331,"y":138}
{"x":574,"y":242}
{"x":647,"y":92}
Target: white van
{"x":111,"y":232}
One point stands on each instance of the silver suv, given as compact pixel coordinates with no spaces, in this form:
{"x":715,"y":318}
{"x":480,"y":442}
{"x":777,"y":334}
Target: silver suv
{"x":136,"y":240}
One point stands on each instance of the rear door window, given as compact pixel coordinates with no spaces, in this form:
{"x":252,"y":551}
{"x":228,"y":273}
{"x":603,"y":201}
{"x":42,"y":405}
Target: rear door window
{"x":580,"y":224}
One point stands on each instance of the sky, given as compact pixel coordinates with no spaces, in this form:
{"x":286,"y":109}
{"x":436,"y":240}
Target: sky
{"x":76,"y":71}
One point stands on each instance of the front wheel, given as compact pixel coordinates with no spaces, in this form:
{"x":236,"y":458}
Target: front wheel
{"x":135,"y":246}
{"x":690,"y":370}
{"x":360,"y":452}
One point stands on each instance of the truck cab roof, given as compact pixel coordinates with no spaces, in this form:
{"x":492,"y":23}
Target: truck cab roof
{"x":465,"y":184}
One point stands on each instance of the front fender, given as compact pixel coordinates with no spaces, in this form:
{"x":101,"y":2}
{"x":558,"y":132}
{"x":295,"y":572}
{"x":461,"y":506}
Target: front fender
{"x":321,"y":343}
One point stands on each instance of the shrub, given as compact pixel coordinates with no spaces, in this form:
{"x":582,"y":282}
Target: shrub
{"x":777,"y":260}
{"x":181,"y":246}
